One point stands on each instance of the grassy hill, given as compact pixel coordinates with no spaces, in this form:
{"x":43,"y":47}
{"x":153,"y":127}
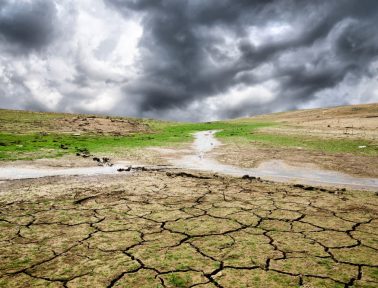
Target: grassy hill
{"x":26,"y":135}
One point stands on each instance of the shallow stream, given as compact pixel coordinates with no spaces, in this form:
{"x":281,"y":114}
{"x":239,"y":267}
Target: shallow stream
{"x":200,"y":158}
{"x":275,"y":170}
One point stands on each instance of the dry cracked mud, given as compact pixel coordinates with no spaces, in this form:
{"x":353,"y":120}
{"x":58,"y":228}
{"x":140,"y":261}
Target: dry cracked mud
{"x":170,"y":229}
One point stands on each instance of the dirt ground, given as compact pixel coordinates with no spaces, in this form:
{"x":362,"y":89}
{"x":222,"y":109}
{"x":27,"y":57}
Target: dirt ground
{"x":348,"y":122}
{"x":13,"y":121}
{"x":249,"y":155}
{"x":131,"y":156}
{"x":105,"y":126}
{"x":357,"y":121}
{"x":173,"y":228}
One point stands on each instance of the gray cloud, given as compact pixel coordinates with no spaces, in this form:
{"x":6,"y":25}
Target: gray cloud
{"x":193,"y":60}
{"x":176,"y":53}
{"x":28,"y":25}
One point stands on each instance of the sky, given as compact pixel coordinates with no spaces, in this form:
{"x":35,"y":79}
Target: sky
{"x":187,"y":60}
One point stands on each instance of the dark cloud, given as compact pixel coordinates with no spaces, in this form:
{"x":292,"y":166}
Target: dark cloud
{"x":196,"y":60}
{"x":176,"y":52}
{"x":28,"y":25}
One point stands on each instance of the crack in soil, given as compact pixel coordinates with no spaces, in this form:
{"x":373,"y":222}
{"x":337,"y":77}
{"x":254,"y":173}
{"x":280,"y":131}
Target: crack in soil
{"x":186,"y":230}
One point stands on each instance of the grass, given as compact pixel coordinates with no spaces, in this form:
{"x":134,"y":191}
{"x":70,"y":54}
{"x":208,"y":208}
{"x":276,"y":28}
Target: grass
{"x":309,"y":142}
{"x":41,"y":145}
{"x":177,"y":281}
{"x":22,"y":137}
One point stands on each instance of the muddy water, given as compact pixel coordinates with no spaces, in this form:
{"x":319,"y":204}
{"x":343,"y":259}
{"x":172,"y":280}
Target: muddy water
{"x":275,"y":170}
{"x":12,"y":173}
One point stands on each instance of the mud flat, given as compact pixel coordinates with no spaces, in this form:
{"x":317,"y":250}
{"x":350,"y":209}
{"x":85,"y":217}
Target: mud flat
{"x":179,"y":228}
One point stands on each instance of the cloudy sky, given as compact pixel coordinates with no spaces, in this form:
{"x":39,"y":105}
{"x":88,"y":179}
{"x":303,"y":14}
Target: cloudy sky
{"x":193,"y":60}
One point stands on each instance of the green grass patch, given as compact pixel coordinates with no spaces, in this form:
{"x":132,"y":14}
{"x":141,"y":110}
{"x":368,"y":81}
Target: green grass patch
{"x":17,"y":146}
{"x":178,"y":281}
{"x":39,"y":145}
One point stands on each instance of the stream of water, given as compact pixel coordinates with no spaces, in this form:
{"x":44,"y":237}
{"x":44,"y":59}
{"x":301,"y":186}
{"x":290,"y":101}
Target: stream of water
{"x":200,"y":158}
{"x":274,"y":170}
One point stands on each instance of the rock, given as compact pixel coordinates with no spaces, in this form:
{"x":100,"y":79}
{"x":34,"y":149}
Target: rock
{"x":62,"y":146}
{"x":182,"y":174}
{"x":298,"y":186}
{"x":124,"y":169}
{"x":249,"y":177}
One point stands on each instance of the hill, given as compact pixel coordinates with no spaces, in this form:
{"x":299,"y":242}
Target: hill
{"x":340,"y":138}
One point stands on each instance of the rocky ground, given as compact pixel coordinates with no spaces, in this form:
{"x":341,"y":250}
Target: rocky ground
{"x":172,"y":228}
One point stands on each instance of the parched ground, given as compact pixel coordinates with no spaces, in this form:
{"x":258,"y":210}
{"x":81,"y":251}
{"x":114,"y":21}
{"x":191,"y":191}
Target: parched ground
{"x":174,"y":229}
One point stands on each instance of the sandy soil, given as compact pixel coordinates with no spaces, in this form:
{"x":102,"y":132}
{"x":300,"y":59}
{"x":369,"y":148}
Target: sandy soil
{"x":179,"y":229}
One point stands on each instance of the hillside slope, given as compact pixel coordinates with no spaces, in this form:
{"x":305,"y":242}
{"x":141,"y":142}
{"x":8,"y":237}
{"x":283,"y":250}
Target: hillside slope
{"x":340,"y":138}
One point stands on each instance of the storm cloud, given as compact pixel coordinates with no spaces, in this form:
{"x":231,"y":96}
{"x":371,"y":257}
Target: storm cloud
{"x":187,"y":59}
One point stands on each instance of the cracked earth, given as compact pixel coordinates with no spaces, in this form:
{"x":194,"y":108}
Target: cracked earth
{"x":171,"y":229}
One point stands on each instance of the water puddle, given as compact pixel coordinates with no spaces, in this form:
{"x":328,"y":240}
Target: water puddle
{"x":13,"y":173}
{"x":274,"y":170}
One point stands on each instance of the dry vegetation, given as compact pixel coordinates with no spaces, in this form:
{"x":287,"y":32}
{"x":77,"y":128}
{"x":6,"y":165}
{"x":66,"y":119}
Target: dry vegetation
{"x":13,"y":121}
{"x":173,"y":229}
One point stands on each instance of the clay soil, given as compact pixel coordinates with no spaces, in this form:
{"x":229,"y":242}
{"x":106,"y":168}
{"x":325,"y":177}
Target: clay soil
{"x":172,"y":228}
